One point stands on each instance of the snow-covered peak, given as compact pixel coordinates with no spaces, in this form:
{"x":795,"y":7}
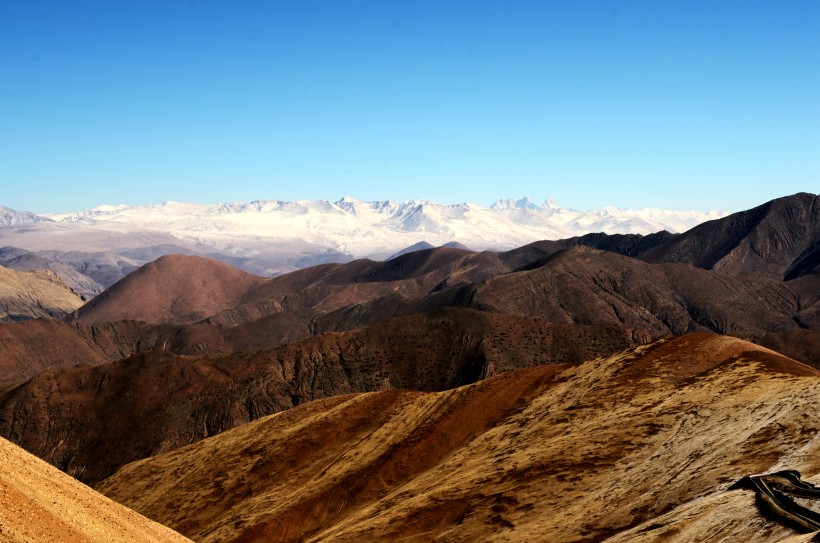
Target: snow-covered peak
{"x":510,"y":203}
{"x":350,"y":227}
{"x":9,"y":217}
{"x":109,"y":208}
{"x":361,"y":208}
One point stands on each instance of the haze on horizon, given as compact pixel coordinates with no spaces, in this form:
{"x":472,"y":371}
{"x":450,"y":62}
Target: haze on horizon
{"x":695,"y":105}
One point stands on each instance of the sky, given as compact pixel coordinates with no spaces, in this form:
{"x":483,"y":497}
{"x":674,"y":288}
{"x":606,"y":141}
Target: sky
{"x":670,"y":104}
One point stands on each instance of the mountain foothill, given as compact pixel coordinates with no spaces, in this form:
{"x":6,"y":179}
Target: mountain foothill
{"x":602,"y":387}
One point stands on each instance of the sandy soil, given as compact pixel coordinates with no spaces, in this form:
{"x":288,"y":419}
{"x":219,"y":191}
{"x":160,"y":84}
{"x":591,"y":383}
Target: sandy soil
{"x":38,"y":503}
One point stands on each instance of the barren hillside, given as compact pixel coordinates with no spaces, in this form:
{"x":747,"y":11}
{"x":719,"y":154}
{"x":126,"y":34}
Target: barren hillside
{"x":38,"y":503}
{"x":34,"y":294}
{"x":89,"y":420}
{"x":640,"y":446}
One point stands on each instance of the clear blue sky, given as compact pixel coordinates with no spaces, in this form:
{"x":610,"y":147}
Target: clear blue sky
{"x":662,"y":103}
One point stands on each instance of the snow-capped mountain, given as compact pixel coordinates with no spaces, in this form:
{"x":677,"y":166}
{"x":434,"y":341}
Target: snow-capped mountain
{"x":280,"y":236}
{"x":9,"y":217}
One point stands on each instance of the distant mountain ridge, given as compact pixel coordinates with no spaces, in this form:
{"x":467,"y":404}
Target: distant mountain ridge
{"x":9,"y":217}
{"x":268,"y":237}
{"x":409,"y":216}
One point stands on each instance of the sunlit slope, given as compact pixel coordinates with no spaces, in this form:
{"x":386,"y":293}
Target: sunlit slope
{"x":34,"y":294}
{"x":91,"y":420}
{"x":39,"y":503}
{"x":640,"y":446}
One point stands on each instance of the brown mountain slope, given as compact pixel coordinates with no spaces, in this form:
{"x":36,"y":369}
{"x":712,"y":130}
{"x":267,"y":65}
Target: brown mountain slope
{"x":802,"y":345}
{"x":30,"y":347}
{"x":766,"y":240}
{"x":38,"y":503}
{"x":583,"y":285}
{"x":587,"y":286}
{"x":640,"y":446}
{"x":89,"y":421}
{"x":579,"y":285}
{"x":333,"y":286}
{"x":34,"y":294}
{"x":173,"y":288}
{"x":122,"y":339}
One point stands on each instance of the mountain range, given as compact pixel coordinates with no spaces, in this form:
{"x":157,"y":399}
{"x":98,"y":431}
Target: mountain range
{"x":271,"y":237}
{"x":601,"y":387}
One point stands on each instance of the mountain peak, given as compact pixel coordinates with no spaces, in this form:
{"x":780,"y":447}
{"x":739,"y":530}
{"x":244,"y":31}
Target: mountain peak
{"x":510,"y":203}
{"x":11,"y":217}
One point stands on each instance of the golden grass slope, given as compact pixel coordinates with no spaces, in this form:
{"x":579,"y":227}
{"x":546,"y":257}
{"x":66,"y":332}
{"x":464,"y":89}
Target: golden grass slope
{"x":639,"y":446}
{"x":38,"y":503}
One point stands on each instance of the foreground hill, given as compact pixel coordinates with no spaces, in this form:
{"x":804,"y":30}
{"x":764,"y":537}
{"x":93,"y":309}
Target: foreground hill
{"x":90,"y":420}
{"x":33,"y":294}
{"x":640,"y":446}
{"x":38,"y":503}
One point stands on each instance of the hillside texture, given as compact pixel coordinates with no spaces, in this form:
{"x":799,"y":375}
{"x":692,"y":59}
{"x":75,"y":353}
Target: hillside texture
{"x":640,"y":446}
{"x":38,"y":503}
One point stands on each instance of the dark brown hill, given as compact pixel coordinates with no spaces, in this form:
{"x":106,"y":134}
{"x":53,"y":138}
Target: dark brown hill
{"x":122,"y":339}
{"x":332,"y":286}
{"x":89,"y":420}
{"x":173,"y":288}
{"x":585,"y":286}
{"x":802,"y":345}
{"x":36,"y":345}
{"x":769,"y":240}
{"x":30,"y":347}
{"x":640,"y":447}
{"x":625,"y":244}
{"x":808,"y":263}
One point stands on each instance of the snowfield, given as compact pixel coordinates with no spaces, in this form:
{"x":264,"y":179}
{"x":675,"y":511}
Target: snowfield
{"x":282,"y":236}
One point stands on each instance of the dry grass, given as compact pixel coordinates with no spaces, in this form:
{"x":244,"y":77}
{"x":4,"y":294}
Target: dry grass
{"x":640,"y":446}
